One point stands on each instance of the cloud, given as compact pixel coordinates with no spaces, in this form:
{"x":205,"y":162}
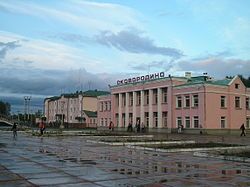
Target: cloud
{"x":222,"y":54}
{"x":37,"y":53}
{"x":86,"y":15}
{"x":162,"y":65}
{"x":70,"y":37}
{"x":218,"y":67}
{"x":132,"y":42}
{"x":5,"y":47}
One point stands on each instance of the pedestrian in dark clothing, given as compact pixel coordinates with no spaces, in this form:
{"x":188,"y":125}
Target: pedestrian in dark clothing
{"x":242,"y":128}
{"x":130,"y":127}
{"x":14,"y":129}
{"x":142,"y":127}
{"x":41,"y":127}
{"x":111,"y":126}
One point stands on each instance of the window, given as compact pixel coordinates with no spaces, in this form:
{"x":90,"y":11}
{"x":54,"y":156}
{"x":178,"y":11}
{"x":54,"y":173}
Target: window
{"x":124,"y":99}
{"x":237,"y":86}
{"x":146,"y":97}
{"x":101,"y":121}
{"x":147,"y":119}
{"x":155,"y":116}
{"x":179,"y":122}
{"x":223,"y":101}
{"x":117,"y":99}
{"x":138,"y":98}
{"x":223,"y":122}
{"x":117,"y":119}
{"x":178,"y":102}
{"x":195,"y":101}
{"x":165,"y":119}
{"x":106,"y":122}
{"x":237,"y":102}
{"x":187,"y":122}
{"x":187,"y":101}
{"x":164,"y":95}
{"x":123,"y":119}
{"x":130,"y":99}
{"x":106,"y":105}
{"x":247,"y":103}
{"x":130,"y":118}
{"x":248,"y":123}
{"x":196,"y":121}
{"x":155,"y":96}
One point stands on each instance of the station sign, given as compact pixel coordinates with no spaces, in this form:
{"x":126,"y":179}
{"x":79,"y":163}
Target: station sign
{"x":141,"y":78}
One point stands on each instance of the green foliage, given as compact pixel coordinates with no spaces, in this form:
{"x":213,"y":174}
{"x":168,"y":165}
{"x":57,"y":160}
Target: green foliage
{"x":246,"y":81}
{"x":5,"y":108}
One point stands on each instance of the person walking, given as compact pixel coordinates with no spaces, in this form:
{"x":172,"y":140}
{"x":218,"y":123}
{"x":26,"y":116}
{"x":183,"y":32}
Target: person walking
{"x":242,"y":128}
{"x":14,"y":129}
{"x":41,"y":127}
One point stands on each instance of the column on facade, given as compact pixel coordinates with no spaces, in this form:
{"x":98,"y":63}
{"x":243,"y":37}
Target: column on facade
{"x":142,"y":108}
{"x":150,"y":108}
{"x":134,"y":107}
{"x":120,"y":110}
{"x":127,"y":109}
{"x":171,"y":109}
{"x":159,"y":107}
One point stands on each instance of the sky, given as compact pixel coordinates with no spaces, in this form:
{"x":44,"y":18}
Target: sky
{"x":49,"y":47}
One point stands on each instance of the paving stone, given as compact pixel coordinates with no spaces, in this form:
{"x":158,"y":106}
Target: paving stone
{"x":17,"y":183}
{"x":72,"y":161}
{"x":54,"y":180}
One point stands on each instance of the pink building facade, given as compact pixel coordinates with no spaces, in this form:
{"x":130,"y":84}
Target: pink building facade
{"x":75,"y":110}
{"x":164,"y":103}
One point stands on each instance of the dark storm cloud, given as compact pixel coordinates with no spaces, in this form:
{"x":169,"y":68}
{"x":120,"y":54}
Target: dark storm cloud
{"x":134,"y":43}
{"x":52,"y":82}
{"x":5,"y":47}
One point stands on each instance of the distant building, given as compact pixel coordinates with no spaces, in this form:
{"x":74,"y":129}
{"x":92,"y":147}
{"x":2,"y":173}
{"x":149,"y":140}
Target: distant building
{"x":75,"y":108}
{"x":165,"y":103}
{"x":90,"y":118}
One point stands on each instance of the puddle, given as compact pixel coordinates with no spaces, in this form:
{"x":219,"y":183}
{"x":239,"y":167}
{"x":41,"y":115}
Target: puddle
{"x":2,"y":145}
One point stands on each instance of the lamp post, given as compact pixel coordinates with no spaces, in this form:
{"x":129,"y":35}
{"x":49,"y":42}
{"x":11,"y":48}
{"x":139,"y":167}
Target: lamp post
{"x":27,"y":100}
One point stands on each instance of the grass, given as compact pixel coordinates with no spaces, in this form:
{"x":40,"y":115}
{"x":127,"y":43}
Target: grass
{"x":237,"y":154}
{"x":123,"y":139}
{"x":195,"y":145}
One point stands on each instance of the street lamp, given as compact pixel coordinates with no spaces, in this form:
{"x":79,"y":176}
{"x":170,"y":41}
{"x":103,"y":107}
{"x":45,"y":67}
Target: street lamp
{"x":27,"y":106}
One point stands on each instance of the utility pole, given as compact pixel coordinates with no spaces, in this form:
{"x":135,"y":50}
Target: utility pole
{"x":27,"y":100}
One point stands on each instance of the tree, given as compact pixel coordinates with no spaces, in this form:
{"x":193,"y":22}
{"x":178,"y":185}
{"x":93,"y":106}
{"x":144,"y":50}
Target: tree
{"x":246,"y":81}
{"x":5,"y":108}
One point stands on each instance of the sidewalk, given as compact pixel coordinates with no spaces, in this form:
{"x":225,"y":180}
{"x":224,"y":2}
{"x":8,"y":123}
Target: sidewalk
{"x":72,"y":161}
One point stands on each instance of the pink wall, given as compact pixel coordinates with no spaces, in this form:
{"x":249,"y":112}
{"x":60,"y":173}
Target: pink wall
{"x":209,"y":111}
{"x":105,"y":114}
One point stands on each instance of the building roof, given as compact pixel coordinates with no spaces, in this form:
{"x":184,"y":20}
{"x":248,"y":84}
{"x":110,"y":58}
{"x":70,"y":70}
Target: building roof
{"x":94,"y":93}
{"x":223,"y":82}
{"x":90,"y":114}
{"x":89,"y":93}
{"x":206,"y":80}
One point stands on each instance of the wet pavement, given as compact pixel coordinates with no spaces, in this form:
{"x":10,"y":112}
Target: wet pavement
{"x":72,"y":161}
